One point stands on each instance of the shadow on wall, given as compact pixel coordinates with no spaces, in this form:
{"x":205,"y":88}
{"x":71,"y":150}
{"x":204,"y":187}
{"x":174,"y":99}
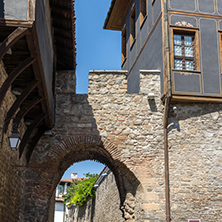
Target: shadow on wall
{"x":186,"y":111}
{"x":75,"y":137}
{"x":2,"y":13}
{"x":183,"y":112}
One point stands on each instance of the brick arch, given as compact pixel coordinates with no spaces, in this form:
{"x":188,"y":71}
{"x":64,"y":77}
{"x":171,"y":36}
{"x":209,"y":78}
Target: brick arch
{"x":74,"y":149}
{"x":73,"y":142}
{"x":79,"y":148}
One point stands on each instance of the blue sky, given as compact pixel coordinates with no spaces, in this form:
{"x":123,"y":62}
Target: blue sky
{"x":82,"y":168}
{"x":97,"y":49}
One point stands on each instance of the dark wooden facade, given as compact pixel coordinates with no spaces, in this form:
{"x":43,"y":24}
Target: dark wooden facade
{"x":146,"y":53}
{"x":199,"y":19}
{"x":205,"y":18}
{"x":37,"y":39}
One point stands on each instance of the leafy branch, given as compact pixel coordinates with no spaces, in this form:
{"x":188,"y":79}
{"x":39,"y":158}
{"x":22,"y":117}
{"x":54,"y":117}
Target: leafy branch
{"x":80,"y":192}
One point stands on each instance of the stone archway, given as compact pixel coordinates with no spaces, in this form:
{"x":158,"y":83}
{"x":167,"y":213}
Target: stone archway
{"x":74,"y":149}
{"x":109,"y":126}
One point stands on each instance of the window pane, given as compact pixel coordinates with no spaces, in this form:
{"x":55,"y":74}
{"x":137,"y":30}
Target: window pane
{"x":142,"y":10}
{"x":184,"y":54}
{"x":132,"y":26}
{"x":188,"y":46}
{"x":177,"y":45}
{"x":178,"y":64}
{"x":188,"y":51}
{"x":61,"y":189}
{"x":177,"y":50}
{"x":124,"y":44}
{"x":177,"y":39}
{"x":188,"y":40}
{"x":189,"y":65}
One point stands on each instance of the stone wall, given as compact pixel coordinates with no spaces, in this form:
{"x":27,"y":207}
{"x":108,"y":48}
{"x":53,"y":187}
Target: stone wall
{"x":11,"y":183}
{"x":107,"y":202}
{"x":82,"y":214}
{"x":125,"y":132}
{"x":129,"y":121}
{"x":195,"y":142}
{"x":114,"y":128}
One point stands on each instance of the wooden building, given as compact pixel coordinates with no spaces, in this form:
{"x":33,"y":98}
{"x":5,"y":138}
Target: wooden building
{"x":180,"y":38}
{"x":37,"y":39}
{"x":180,"y":41}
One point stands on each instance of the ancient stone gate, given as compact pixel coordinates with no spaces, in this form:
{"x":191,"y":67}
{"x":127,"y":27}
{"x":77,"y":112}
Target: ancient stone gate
{"x":125,"y":132}
{"x":107,"y":125}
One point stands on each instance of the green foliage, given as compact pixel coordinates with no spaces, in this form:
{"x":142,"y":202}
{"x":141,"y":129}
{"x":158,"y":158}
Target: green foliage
{"x":80,"y":192}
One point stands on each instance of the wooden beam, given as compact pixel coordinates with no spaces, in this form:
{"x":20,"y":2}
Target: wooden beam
{"x":176,"y":98}
{"x":16,"y":23}
{"x":11,"y":40}
{"x":33,"y":46}
{"x":195,"y":14}
{"x":13,"y":75}
{"x":60,"y":24}
{"x":28,"y":107}
{"x":34,"y":142}
{"x":20,"y":100}
{"x":63,"y":35}
{"x":62,"y":29}
{"x":60,"y":9}
{"x":30,"y":43}
{"x":62,"y":19}
{"x":31,"y":10}
{"x":65,"y":45}
{"x":63,"y":38}
{"x":29,"y":131}
{"x":70,"y":59}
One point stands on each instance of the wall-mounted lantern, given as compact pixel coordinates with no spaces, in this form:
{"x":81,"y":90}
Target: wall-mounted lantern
{"x":14,"y":138}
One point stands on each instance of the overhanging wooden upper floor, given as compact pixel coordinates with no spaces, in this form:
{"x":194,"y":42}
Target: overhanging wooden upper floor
{"x":36,"y":41}
{"x":49,"y":38}
{"x":58,"y":15}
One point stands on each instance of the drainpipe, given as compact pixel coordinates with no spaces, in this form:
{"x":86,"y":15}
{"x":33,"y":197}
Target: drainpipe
{"x":166,"y":109}
{"x":166,"y":158}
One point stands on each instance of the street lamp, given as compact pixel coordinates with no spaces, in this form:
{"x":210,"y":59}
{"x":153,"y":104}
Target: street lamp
{"x":14,"y":138}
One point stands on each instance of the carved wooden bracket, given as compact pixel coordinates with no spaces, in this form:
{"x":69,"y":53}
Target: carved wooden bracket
{"x":28,"y":107}
{"x":13,"y":75}
{"x":11,"y":40}
{"x":20,"y":99}
{"x":29,"y":131}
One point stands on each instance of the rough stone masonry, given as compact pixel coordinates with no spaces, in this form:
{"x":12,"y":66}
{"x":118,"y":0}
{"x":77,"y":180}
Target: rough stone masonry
{"x":11,"y":184}
{"x":125,"y":132}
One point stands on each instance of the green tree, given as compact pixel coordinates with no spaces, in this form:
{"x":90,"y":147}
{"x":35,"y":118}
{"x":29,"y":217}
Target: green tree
{"x":80,"y":192}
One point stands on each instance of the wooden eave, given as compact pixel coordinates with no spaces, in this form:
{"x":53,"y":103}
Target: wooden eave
{"x":116,"y":14}
{"x":63,"y":22}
